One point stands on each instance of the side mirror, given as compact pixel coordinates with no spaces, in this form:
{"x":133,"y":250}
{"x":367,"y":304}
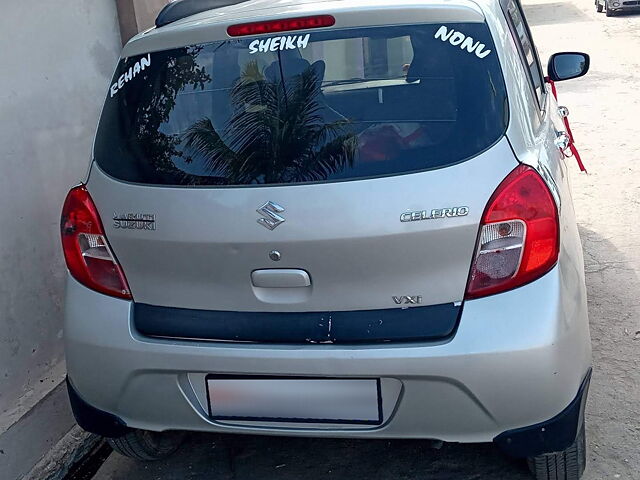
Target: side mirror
{"x":567,"y":65}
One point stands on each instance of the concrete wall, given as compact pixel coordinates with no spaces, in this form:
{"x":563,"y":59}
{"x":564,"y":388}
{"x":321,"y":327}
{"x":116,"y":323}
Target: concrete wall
{"x":137,"y":15}
{"x":147,"y":11}
{"x":56,"y":59}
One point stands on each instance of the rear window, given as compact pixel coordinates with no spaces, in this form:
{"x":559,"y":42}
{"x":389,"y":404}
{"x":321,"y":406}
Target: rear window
{"x":304,"y":107}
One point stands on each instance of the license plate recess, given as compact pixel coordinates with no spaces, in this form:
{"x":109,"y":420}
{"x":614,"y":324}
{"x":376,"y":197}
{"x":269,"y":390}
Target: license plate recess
{"x":356,"y":401}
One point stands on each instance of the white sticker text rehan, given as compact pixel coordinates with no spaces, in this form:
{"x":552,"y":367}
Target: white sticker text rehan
{"x":288,"y":42}
{"x":465,"y":42}
{"x":130,"y":74}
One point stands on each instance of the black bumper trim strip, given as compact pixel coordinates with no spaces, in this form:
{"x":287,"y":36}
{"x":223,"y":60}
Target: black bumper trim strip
{"x":434,"y":322}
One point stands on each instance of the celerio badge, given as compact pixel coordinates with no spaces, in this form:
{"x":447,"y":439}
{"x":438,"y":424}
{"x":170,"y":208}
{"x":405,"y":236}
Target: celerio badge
{"x":434,"y":214}
{"x":270,"y":215}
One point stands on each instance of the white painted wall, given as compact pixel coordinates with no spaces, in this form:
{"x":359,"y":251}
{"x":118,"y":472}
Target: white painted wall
{"x":56,"y":59}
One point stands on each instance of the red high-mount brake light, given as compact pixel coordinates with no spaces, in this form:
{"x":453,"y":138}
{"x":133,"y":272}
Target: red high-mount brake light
{"x":86,"y":250}
{"x":519,"y":235}
{"x":284,"y":25}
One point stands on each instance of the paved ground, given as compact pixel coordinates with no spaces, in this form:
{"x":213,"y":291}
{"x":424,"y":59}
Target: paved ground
{"x":605,"y":113}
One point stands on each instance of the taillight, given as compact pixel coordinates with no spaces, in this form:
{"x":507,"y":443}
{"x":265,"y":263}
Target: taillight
{"x":519,"y":235}
{"x":86,"y":250}
{"x":284,"y":25}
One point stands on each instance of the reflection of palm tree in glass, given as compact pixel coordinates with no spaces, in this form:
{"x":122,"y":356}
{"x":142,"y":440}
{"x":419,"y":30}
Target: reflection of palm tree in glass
{"x":277,"y":134}
{"x":153,"y":104}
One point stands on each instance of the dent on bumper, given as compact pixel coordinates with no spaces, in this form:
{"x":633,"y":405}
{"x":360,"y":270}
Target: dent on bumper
{"x":513,"y":362}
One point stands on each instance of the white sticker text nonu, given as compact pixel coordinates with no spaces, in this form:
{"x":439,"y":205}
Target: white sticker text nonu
{"x":465,"y":42}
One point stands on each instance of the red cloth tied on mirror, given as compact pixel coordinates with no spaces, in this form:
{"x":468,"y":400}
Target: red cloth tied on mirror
{"x":572,"y":146}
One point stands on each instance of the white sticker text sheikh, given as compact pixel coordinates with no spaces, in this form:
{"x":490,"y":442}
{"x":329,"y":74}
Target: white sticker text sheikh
{"x":288,"y":42}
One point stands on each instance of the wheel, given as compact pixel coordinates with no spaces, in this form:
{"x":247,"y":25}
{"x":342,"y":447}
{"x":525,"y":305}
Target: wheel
{"x":566,"y":465}
{"x":607,"y":11}
{"x":147,"y":446}
{"x":598,"y":6}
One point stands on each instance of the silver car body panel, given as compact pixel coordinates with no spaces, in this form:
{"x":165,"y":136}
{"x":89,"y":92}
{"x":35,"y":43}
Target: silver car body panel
{"x":517,"y":358}
{"x":347,"y":235}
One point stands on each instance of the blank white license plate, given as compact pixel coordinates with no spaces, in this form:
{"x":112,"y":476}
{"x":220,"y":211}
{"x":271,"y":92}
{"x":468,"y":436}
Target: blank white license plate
{"x":295,"y":400}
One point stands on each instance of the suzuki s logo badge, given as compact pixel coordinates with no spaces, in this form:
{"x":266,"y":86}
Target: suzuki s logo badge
{"x":270,"y":215}
{"x":408,"y":300}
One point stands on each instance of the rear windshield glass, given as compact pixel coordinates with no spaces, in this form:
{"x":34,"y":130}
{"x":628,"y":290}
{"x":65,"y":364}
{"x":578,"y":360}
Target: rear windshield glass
{"x":304,"y":107}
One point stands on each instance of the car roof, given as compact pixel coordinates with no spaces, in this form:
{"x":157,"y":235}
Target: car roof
{"x":211,"y":24}
{"x":251,"y":8}
{"x":180,"y":9}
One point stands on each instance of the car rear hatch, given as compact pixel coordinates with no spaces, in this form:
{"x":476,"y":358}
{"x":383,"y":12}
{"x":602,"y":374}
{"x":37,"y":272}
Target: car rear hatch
{"x":303,"y":186}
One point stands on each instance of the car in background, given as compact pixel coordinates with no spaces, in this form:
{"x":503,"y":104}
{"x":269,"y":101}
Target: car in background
{"x":612,"y":7}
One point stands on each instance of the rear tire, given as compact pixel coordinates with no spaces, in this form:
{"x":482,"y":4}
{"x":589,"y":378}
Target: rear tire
{"x":568,"y":464}
{"x":147,"y":446}
{"x":598,"y":6}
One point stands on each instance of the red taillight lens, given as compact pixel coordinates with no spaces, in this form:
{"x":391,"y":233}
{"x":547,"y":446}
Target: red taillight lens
{"x":519,"y":235}
{"x":284,"y":25}
{"x":86,"y":251}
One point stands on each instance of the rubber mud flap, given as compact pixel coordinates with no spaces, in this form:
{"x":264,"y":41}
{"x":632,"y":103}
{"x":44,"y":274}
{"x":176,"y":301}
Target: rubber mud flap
{"x":554,"y":435}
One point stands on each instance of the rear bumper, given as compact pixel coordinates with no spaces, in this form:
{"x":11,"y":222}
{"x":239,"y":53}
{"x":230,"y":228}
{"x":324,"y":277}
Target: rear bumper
{"x":554,"y":435}
{"x":517,"y":359}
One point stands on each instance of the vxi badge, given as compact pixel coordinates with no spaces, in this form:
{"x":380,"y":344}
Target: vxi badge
{"x":407,"y":300}
{"x":434,"y":214}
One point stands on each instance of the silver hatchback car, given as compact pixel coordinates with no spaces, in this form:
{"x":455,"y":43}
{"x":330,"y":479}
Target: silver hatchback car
{"x":613,"y":7}
{"x":331,"y":218}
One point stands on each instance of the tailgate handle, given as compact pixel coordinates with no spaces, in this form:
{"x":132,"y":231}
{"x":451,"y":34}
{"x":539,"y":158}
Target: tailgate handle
{"x":280,"y":278}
